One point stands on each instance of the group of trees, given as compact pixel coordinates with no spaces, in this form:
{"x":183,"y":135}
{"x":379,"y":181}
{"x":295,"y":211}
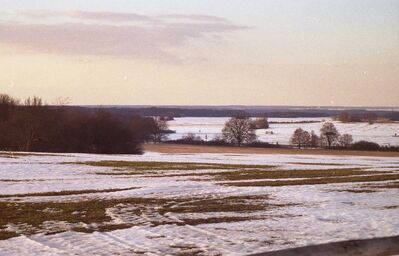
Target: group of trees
{"x":240,"y":130}
{"x":259,"y":123}
{"x":329,"y":136}
{"x":33,"y":126}
{"x":346,"y":117}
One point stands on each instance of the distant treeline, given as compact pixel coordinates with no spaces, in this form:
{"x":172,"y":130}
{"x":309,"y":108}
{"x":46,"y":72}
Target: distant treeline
{"x":278,"y":112}
{"x":346,"y":117}
{"x":33,"y":126}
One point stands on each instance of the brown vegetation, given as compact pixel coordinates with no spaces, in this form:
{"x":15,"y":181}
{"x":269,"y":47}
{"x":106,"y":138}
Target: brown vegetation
{"x":316,"y":181}
{"x":193,"y":149}
{"x":33,"y":126}
{"x":91,"y":215}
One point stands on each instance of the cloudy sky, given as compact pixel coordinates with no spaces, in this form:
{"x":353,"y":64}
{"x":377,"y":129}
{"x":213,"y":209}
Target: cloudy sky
{"x":210,"y":52}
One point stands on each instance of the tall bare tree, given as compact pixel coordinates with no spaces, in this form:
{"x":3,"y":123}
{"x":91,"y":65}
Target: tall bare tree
{"x":33,"y":102}
{"x":314,"y":140}
{"x":7,"y":104}
{"x":260,"y":123}
{"x":345,"y":140}
{"x":300,"y":138}
{"x":237,"y":130}
{"x":159,"y":131}
{"x":329,"y":134}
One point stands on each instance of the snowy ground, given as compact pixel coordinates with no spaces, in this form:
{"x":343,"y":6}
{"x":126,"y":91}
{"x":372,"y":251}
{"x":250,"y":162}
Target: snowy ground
{"x":124,"y":208}
{"x":209,"y":127}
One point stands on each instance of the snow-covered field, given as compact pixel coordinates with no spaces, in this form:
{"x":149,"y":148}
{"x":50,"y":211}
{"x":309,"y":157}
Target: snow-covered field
{"x":220,"y":204}
{"x":209,"y":127}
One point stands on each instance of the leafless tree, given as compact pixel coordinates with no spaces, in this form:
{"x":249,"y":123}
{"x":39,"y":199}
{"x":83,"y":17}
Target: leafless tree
{"x":371,"y":118}
{"x":238,"y":130}
{"x":300,"y":138}
{"x":329,"y":134}
{"x":344,"y":117}
{"x":7,"y":104}
{"x":159,"y":130}
{"x":345,"y":140}
{"x":61,"y":101}
{"x":260,"y":123}
{"x":33,"y":102}
{"x":314,"y":140}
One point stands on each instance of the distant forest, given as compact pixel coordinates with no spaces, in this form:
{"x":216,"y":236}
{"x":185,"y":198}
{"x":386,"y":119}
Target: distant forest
{"x":215,"y":111}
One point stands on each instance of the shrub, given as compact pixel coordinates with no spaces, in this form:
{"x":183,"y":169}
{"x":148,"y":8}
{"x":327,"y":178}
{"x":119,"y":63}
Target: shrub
{"x":365,"y":145}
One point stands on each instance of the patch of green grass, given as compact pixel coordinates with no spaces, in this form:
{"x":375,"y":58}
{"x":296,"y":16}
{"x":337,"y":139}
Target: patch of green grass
{"x":102,"y":228}
{"x":289,"y":174}
{"x":315,"y":181}
{"x":10,"y":154}
{"x":91,"y":215}
{"x":279,"y":174}
{"x":22,"y":180}
{"x":88,"y":212}
{"x":224,"y":204}
{"x":391,"y":207}
{"x":316,"y":164}
{"x":69,"y":192}
{"x":165,"y":166}
{"x":214,"y":220}
{"x":122,"y":172}
{"x":391,"y":185}
{"x":6,"y":234}
{"x":189,"y":250}
{"x":354,"y":190}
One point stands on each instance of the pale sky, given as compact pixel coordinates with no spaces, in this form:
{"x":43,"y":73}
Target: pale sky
{"x":202,"y":52}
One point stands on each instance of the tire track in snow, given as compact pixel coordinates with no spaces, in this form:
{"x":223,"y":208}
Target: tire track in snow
{"x":186,"y":239}
{"x":47,"y":247}
{"x":130,"y":244}
{"x":97,"y":243}
{"x":208,"y":233}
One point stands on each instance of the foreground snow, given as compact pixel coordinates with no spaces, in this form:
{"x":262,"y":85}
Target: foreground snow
{"x":307,"y":214}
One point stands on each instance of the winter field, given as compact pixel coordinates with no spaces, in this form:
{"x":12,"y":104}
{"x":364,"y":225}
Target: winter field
{"x":191,"y":204}
{"x":209,"y":127}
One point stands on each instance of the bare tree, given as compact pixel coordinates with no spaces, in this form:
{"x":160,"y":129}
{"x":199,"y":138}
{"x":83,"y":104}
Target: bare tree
{"x":314,"y":140}
{"x":159,"y":130}
{"x":300,"y":138}
{"x":260,"y":123}
{"x":238,"y":130}
{"x":345,"y":140}
{"x":329,"y":134}
{"x":61,"y":101}
{"x":344,"y":117}
{"x":371,"y":118}
{"x":7,"y":104}
{"x":33,"y":102}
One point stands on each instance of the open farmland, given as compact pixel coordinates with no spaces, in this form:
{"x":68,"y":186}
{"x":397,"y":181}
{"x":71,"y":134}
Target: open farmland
{"x":192,"y":204}
{"x":283,"y":128}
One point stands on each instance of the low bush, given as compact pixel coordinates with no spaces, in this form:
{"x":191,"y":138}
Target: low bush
{"x":365,"y":145}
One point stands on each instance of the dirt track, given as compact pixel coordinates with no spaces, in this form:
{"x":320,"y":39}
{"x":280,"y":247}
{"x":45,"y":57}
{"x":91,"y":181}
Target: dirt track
{"x":191,"y":149}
